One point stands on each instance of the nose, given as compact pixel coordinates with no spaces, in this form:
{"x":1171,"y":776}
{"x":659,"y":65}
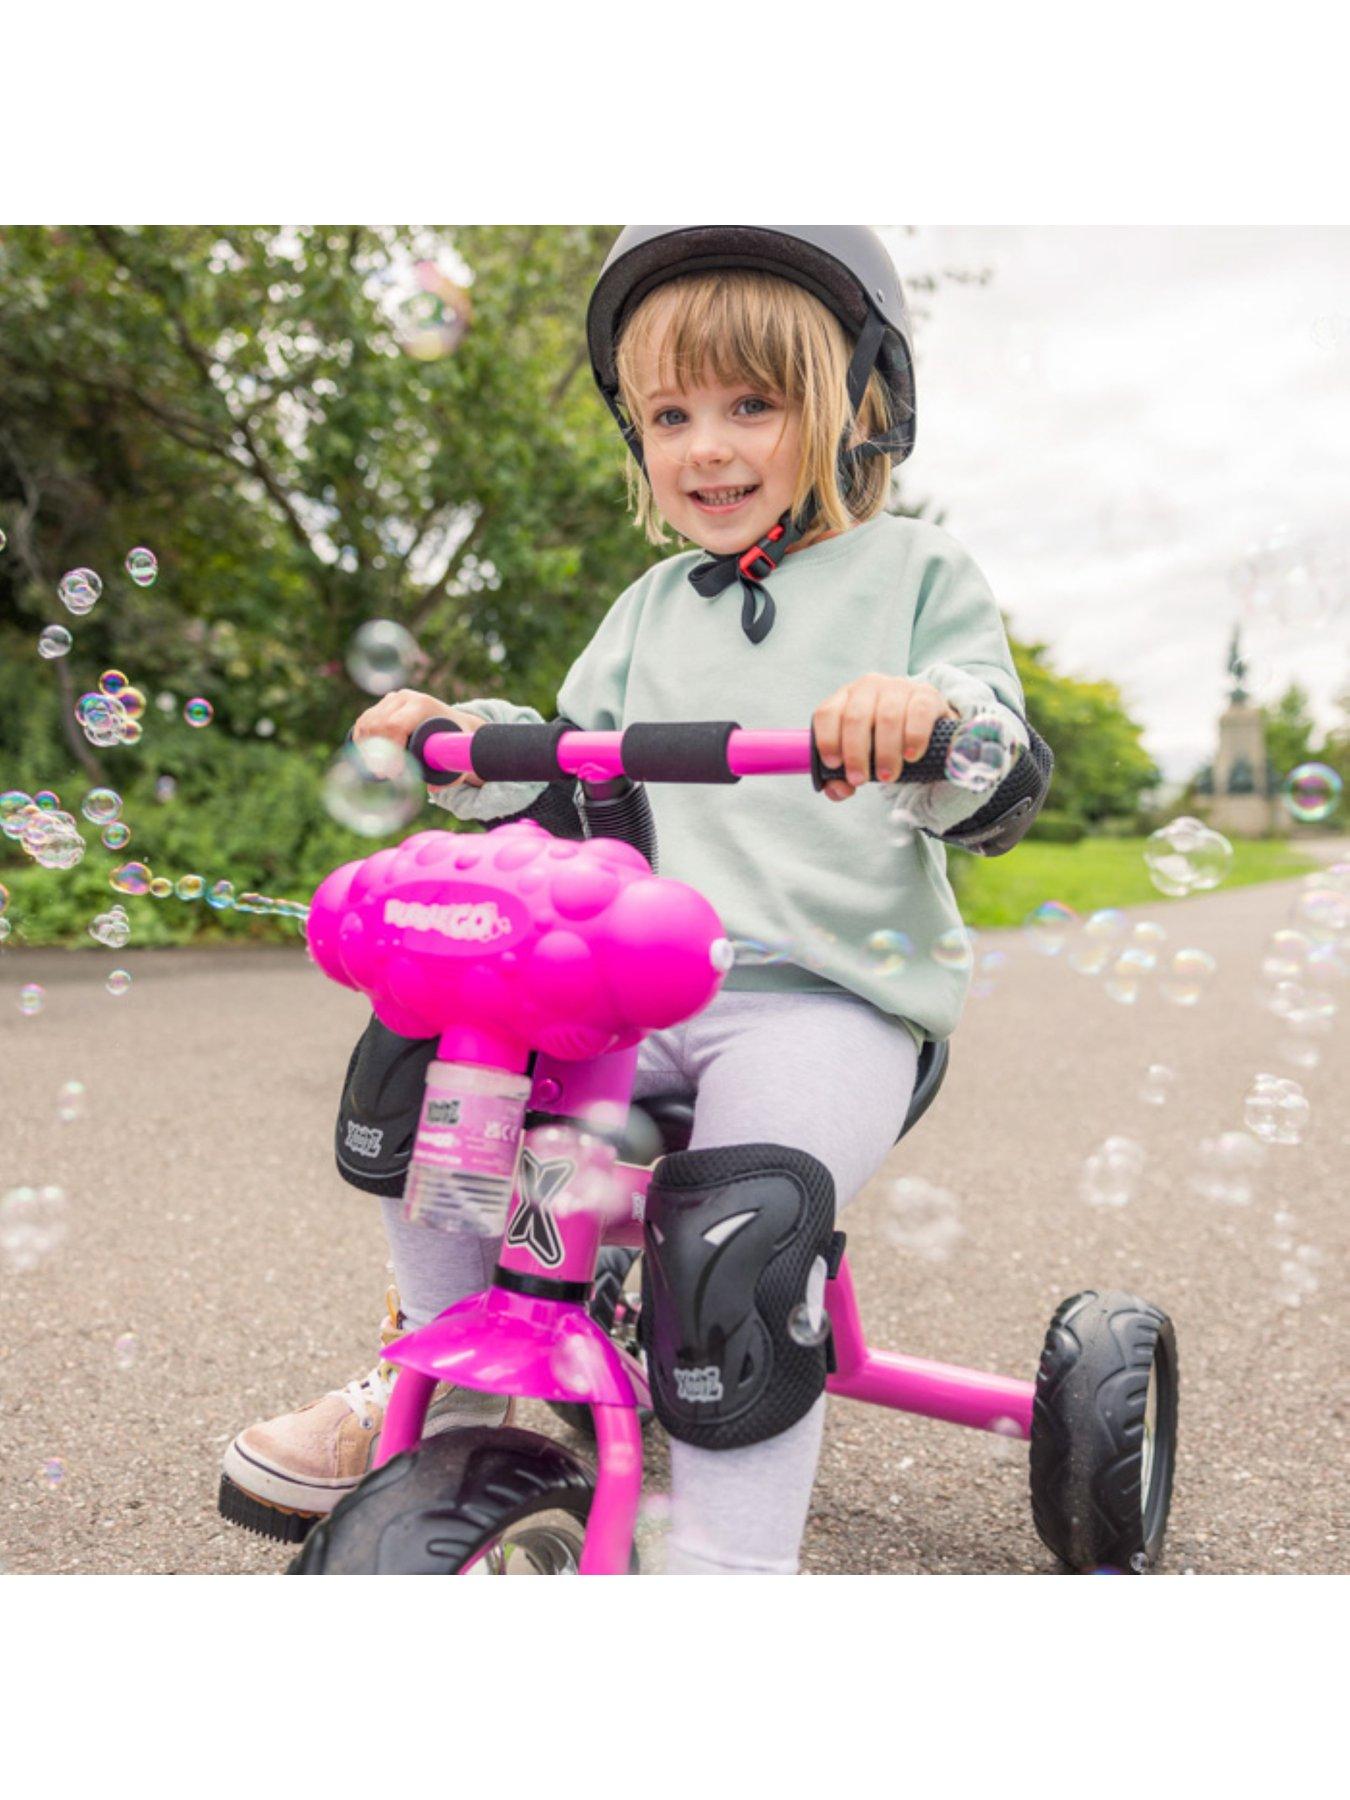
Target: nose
{"x":707,"y":447}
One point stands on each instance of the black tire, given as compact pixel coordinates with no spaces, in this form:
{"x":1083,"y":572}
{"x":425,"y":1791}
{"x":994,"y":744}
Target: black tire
{"x":435,"y":1509}
{"x":612,"y":1269}
{"x":1101,"y":1486}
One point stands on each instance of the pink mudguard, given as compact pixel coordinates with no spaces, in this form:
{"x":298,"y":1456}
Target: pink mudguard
{"x":572,"y":949}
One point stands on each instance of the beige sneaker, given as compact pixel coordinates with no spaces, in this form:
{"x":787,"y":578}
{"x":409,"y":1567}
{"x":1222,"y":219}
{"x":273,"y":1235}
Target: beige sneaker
{"x":281,"y":1475}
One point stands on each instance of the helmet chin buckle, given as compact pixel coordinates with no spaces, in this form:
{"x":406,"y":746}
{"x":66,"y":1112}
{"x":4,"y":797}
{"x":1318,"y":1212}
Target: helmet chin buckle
{"x":749,"y":560}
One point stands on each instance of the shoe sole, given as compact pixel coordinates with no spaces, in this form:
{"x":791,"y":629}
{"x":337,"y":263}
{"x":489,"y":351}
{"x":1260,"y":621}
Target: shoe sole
{"x":287,"y":1509}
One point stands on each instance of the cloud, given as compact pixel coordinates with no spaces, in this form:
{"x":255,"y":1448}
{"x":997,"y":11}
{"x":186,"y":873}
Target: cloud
{"x":1115,"y":419}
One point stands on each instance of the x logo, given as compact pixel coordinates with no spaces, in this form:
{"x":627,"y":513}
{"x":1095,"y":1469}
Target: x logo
{"x":533,"y":1225}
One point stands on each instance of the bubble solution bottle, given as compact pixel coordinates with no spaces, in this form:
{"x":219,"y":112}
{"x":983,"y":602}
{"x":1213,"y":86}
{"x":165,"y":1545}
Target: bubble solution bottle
{"x":468,"y":1144}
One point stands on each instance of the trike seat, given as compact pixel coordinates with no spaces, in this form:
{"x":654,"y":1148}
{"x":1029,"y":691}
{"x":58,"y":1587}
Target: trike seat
{"x":673,"y":1114}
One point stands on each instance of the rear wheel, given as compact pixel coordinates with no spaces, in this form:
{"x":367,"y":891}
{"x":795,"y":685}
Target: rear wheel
{"x":615,"y":1305}
{"x":1103,"y":1433}
{"x":483,"y":1500}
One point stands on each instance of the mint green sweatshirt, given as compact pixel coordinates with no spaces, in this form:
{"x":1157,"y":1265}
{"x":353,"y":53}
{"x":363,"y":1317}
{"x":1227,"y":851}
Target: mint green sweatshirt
{"x":783,"y":865}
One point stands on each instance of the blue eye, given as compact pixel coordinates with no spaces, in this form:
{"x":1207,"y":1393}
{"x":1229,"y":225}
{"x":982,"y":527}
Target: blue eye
{"x":668,"y":415}
{"x":757,"y":403}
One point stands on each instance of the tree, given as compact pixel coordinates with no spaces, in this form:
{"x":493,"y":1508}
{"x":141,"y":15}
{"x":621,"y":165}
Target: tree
{"x":1290,"y":728}
{"x":1101,"y":767}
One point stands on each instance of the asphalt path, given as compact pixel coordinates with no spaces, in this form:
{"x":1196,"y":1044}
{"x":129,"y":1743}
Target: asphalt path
{"x":206,"y":1222}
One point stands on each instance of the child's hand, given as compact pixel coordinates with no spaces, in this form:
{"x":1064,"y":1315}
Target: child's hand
{"x":399,"y":714}
{"x":886,"y":718}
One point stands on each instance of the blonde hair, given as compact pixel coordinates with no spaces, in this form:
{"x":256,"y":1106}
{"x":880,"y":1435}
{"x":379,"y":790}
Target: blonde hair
{"x":740,"y":325}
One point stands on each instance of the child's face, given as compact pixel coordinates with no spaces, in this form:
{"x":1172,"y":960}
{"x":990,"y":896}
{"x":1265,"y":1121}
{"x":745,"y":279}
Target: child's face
{"x":722,"y":461}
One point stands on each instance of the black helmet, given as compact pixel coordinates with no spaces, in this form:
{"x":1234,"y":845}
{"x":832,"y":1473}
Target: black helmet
{"x":846,"y":267}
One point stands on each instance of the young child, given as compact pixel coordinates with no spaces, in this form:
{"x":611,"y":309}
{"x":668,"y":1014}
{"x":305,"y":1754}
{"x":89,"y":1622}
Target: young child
{"x":762,"y":378}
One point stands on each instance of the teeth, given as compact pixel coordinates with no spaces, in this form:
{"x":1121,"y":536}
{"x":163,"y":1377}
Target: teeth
{"x":722,"y":496}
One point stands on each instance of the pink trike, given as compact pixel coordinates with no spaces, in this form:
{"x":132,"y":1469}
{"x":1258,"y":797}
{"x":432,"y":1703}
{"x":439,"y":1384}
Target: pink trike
{"x":542,"y":963}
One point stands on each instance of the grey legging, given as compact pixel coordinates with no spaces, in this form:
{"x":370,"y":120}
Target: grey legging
{"x":824,"y":1073}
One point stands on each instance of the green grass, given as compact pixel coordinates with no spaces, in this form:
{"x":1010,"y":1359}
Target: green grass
{"x":1093,"y":873}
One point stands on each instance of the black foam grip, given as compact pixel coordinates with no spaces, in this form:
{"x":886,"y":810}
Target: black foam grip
{"x":693,"y":752}
{"x":518,"y":752}
{"x":931,"y":766}
{"x":428,"y":729}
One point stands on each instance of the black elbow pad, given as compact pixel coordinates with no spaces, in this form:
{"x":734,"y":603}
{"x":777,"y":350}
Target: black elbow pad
{"x":1006,"y":816}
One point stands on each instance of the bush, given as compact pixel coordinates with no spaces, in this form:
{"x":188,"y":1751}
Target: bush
{"x":1058,"y":828}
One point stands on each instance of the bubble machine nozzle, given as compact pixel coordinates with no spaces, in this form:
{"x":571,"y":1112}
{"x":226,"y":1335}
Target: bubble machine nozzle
{"x":573,"y":949}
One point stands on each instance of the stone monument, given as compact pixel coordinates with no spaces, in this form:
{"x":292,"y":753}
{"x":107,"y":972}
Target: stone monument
{"x":1241,"y":786}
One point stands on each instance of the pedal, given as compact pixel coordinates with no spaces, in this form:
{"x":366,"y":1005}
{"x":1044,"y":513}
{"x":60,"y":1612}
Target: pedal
{"x":279,"y":1522}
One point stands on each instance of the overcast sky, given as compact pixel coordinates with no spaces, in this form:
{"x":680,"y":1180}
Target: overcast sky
{"x":1113,"y":421}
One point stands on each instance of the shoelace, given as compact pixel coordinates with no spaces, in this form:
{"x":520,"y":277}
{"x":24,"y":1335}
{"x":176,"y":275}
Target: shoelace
{"x":369,"y":1392}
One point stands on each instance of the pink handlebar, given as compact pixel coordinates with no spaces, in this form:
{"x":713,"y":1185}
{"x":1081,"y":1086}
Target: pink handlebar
{"x":598,"y":755}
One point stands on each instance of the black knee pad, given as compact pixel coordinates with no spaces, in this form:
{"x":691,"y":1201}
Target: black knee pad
{"x":381,"y":1104}
{"x":733,"y":1238}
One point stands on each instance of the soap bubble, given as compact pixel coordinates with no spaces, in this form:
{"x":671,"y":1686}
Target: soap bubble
{"x":125,"y":1350}
{"x":265,"y":728}
{"x":1311,"y":792}
{"x":220,"y":895}
{"x":954,"y":949}
{"x":1048,"y":926}
{"x":1285,"y":954}
{"x":807,"y":1327}
{"x":4,"y":896}
{"x":166,"y":702}
{"x":980,"y":753}
{"x":1323,"y":911}
{"x":32,"y":1224}
{"x":1112,"y":1172}
{"x":53,"y":1472}
{"x":1148,"y":935}
{"x":430,"y":320}
{"x":922,"y":1217}
{"x":13,"y":803}
{"x":117,"y":835}
{"x":101,"y":805}
{"x":113,"y":683}
{"x":753,"y":953}
{"x":189,"y":887}
{"x":1008,"y":1439}
{"x":1226,"y":1167}
{"x":891,"y":951}
{"x":1276,"y":1110}
{"x":1298,"y":1280}
{"x":70,"y":1102}
{"x":160,"y":887}
{"x":1298,"y":1053}
{"x":1127,"y":971}
{"x":32,"y":999}
{"x":374,"y":787}
{"x":132,"y":702}
{"x":1089,"y":959}
{"x":199,"y":712}
{"x":382,"y":656}
{"x":165,"y":788}
{"x":1187,"y":974}
{"x":118,"y":982}
{"x":47,"y":800}
{"x":142,"y":566}
{"x":1106,"y":925}
{"x":1157,"y":1085}
{"x":1186,"y":857}
{"x":54,"y":641}
{"x":79,"y":591}
{"x":131,"y":878}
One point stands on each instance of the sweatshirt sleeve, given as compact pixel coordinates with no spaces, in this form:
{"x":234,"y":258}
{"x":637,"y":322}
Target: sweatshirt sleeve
{"x":958,"y":645}
{"x":592,"y":696}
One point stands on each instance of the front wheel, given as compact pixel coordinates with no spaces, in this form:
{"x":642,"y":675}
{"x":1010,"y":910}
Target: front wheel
{"x":483,"y":1500}
{"x":1103,"y":1432}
